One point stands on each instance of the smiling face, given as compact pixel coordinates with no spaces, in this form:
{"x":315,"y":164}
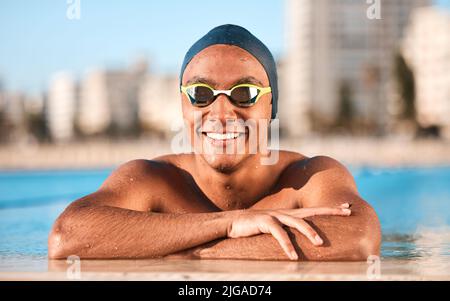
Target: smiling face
{"x":223,"y":133}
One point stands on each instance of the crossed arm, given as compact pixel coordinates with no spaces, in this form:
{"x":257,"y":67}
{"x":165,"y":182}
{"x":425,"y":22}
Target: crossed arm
{"x":98,"y":226}
{"x":351,"y":238}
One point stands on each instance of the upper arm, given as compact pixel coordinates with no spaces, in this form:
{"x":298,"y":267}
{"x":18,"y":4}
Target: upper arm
{"x":133,"y":185}
{"x":327,"y":183}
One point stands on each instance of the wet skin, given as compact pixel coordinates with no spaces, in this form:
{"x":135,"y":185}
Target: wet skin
{"x":216,"y":205}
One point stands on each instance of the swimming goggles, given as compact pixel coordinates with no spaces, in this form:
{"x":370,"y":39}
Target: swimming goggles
{"x":242,"y":95}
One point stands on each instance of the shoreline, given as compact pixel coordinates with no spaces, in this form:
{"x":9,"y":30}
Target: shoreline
{"x":355,"y":152}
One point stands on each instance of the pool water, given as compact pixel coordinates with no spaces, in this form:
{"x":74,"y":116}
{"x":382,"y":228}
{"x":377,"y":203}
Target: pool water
{"x":413,"y":205}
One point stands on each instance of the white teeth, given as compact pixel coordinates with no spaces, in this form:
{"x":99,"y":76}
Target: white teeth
{"x":226,"y":136}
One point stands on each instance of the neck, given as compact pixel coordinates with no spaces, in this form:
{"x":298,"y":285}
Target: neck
{"x":240,"y":187}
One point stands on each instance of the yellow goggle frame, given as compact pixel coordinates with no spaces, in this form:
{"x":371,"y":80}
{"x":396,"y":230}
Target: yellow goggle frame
{"x":189,"y":91}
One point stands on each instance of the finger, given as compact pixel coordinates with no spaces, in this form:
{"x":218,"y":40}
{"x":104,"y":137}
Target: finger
{"x":303,"y":227}
{"x":341,"y":206}
{"x":307,"y":212}
{"x":283,"y":239}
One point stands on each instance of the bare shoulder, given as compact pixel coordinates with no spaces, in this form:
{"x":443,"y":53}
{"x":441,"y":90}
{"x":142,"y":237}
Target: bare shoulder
{"x":324,"y":181}
{"x":318,"y":181}
{"x":303,"y":178}
{"x":140,"y":184}
{"x":140,"y":171}
{"x":314,"y":164}
{"x":317,"y":171}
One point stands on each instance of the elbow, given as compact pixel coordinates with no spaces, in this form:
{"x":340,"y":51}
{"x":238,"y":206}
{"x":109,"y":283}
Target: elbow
{"x":368,"y":247}
{"x":65,"y":237}
{"x":369,"y":243}
{"x":362,"y":248}
{"x":363,"y":237}
{"x":58,"y":243}
{"x":55,"y":246}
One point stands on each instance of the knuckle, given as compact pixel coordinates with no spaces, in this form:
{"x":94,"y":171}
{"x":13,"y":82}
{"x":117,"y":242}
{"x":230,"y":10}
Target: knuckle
{"x":271,"y":220}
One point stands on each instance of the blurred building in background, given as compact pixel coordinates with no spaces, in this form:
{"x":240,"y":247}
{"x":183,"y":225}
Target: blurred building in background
{"x":159,"y":104}
{"x":426,"y":48}
{"x":348,"y":67}
{"x":21,"y":117}
{"x":123,"y":91}
{"x":93,"y":116}
{"x":117,"y":103}
{"x":108,"y":101}
{"x":61,"y":106}
{"x":12,"y":116}
{"x":339,"y":62}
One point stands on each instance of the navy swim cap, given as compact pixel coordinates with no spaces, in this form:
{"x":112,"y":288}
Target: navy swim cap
{"x":238,"y":36}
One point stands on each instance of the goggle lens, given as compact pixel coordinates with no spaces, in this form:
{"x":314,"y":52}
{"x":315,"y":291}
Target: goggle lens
{"x":243,"y":96}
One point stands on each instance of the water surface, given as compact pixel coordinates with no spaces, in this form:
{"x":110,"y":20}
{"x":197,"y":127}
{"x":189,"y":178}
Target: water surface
{"x":413,"y":205}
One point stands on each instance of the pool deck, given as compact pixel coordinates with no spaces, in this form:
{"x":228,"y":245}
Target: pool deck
{"x":222,"y":270}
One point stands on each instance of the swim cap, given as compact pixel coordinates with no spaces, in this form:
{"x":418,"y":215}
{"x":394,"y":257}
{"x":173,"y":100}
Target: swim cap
{"x":230,"y":34}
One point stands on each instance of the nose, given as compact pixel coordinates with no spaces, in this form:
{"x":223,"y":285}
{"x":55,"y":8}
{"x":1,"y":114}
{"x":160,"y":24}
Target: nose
{"x":222,"y":109}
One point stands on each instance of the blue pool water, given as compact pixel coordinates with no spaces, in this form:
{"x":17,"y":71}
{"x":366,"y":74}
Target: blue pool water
{"x":413,"y":205}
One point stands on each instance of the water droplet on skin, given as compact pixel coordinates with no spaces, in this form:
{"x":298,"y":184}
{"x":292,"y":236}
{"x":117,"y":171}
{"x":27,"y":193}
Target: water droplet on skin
{"x":88,"y":245}
{"x":228,"y":187}
{"x":131,"y":179}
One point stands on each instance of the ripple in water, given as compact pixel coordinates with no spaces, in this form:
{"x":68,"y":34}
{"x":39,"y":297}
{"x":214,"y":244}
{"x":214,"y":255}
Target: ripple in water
{"x":428,"y":249}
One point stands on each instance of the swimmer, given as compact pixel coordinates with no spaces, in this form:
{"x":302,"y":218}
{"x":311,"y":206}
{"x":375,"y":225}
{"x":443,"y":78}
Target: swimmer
{"x":222,"y":201}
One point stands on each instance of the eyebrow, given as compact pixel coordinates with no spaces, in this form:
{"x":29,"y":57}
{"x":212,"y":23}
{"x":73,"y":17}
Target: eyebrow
{"x":199,"y":79}
{"x":248,"y":80}
{"x":244,"y":80}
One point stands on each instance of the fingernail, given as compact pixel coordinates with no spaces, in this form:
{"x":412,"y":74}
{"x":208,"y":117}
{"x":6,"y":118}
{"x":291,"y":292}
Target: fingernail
{"x":318,"y":239}
{"x":346,"y":211}
{"x":294,"y":255}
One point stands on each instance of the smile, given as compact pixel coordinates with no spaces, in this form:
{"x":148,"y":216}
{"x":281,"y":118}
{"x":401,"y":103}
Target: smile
{"x":222,"y":139}
{"x":222,"y":136}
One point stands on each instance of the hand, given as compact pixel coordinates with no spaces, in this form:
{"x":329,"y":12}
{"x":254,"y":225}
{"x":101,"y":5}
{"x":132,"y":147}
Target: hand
{"x":254,"y":222}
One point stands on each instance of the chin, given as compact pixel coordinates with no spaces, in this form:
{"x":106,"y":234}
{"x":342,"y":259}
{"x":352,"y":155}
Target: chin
{"x":224,"y":163}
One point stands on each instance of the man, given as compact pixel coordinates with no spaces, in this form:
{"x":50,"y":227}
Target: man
{"x":223,"y":201}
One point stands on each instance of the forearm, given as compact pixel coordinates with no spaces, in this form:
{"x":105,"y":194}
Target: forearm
{"x":351,"y":238}
{"x":336,"y":247}
{"x":111,"y":232}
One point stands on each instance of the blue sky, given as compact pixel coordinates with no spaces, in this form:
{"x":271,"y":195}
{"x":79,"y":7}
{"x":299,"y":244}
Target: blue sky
{"x":36,"y":38}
